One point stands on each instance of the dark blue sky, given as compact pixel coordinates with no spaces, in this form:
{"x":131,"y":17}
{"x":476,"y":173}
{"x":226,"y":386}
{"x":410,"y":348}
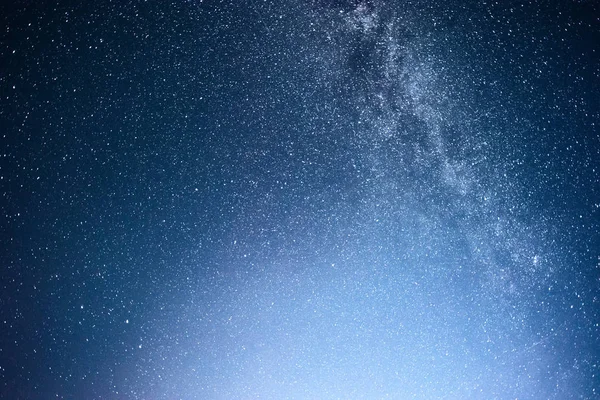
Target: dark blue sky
{"x":299,"y":199}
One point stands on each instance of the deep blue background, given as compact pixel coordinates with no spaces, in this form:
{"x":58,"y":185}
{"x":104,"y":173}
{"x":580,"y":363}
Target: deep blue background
{"x":302,"y":199}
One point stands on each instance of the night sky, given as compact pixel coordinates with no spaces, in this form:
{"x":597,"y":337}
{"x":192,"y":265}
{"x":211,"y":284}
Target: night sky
{"x":300,"y":199}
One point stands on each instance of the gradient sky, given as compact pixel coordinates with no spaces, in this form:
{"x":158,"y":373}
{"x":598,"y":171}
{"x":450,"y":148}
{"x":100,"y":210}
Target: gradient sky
{"x":300,"y":199}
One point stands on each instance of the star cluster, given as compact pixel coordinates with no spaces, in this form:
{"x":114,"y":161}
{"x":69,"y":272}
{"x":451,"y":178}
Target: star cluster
{"x":305,"y":199}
